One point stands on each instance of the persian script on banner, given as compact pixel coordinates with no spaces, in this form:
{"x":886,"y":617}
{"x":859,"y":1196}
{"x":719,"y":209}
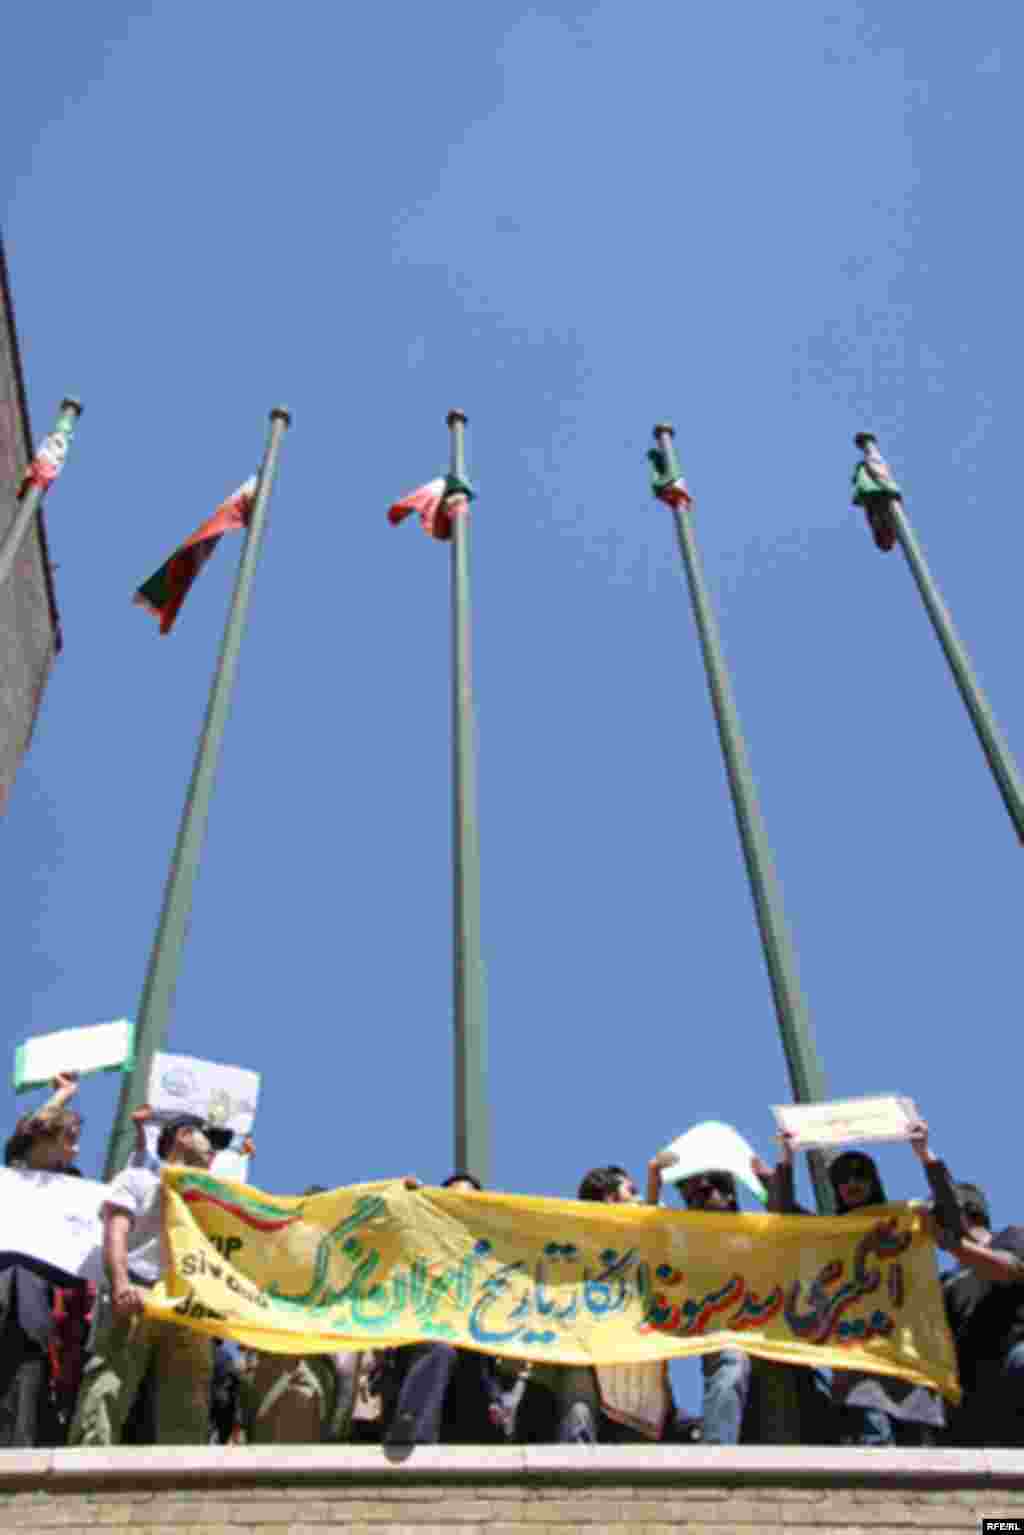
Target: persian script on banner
{"x":557,"y":1281}
{"x":883,"y":1118}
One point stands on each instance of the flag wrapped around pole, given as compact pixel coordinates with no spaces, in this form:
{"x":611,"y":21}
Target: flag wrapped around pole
{"x":429,"y":503}
{"x":36,"y":481}
{"x":442,"y":505}
{"x":876,"y":490}
{"x":53,"y":450}
{"x":792,"y":1013}
{"x":167,"y":588}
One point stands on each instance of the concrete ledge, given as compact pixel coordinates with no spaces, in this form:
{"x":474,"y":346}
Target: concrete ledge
{"x":165,"y":1466}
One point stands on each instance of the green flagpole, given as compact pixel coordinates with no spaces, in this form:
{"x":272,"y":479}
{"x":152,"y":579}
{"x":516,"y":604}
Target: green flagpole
{"x":806,"y":1076}
{"x":165,"y":960}
{"x":51,"y":454}
{"x":472,"y":1115}
{"x":877,"y":492}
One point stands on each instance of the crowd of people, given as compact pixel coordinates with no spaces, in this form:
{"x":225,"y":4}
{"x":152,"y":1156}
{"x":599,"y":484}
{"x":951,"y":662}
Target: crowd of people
{"x":82,"y":1364}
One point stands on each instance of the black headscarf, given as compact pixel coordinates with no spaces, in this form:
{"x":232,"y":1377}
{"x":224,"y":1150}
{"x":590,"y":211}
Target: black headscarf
{"x":839,"y":1169}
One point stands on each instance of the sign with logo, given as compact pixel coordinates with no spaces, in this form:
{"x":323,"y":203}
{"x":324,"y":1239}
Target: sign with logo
{"x":223,"y":1096}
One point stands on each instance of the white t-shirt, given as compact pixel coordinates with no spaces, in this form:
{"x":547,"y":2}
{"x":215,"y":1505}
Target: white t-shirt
{"x":137,"y":1192}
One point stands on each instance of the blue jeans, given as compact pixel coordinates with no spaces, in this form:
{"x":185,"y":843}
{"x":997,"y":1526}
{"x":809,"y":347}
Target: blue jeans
{"x":726,"y":1389}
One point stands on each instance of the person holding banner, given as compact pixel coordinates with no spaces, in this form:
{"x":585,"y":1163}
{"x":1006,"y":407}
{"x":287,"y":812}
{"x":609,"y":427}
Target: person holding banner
{"x":878,"y":1410}
{"x":125,"y":1342}
{"x":439,"y":1386}
{"x":44,"y":1141}
{"x":984,"y":1299}
{"x":727,"y":1374}
{"x":300,"y":1399}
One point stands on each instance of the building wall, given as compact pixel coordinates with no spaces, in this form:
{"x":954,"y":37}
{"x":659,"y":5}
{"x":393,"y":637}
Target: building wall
{"x":638,"y":1490}
{"x":29,"y":632}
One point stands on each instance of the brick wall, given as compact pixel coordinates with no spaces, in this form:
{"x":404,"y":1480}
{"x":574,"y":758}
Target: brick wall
{"x":465,"y":1491}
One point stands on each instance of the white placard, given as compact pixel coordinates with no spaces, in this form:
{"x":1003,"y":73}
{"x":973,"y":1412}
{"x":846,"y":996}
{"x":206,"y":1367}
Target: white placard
{"x":882,"y":1118}
{"x":53,"y":1218}
{"x":97,"y":1047}
{"x":714,"y":1147}
{"x":224,"y":1096}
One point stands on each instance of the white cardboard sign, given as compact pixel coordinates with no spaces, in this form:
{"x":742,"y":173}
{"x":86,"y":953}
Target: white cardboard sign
{"x":885,"y":1117}
{"x":97,"y":1047}
{"x":225,"y":1096}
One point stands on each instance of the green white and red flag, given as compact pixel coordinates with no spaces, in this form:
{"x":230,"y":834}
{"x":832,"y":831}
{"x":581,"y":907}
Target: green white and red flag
{"x":874,"y":487}
{"x":166,"y":590}
{"x":51,"y":453}
{"x":433,"y":505}
{"x":675,"y":493}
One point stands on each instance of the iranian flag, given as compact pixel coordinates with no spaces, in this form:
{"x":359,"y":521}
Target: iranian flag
{"x":166,"y":590}
{"x":430,"y":505}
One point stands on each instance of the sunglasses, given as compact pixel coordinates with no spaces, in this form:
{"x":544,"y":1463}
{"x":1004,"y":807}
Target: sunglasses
{"x":707,"y":1183}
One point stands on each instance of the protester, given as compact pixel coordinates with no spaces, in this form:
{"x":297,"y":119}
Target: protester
{"x":439,"y":1388}
{"x":34,"y":1348}
{"x":728,"y":1373}
{"x":219,"y":1137}
{"x":878,"y":1410}
{"x":578,"y":1404}
{"x":985,"y":1307}
{"x":125,"y":1342}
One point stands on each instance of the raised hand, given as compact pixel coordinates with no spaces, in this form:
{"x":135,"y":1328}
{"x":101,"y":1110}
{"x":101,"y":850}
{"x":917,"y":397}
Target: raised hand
{"x":919,"y":1142}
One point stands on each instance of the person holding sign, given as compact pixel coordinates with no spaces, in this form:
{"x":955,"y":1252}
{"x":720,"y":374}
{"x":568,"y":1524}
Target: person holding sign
{"x":126,"y":1343}
{"x":43,"y":1141}
{"x":876,"y":1410}
{"x":728,"y":1374}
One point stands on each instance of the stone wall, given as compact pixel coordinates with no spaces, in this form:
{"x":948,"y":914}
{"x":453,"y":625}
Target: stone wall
{"x":466,"y":1491}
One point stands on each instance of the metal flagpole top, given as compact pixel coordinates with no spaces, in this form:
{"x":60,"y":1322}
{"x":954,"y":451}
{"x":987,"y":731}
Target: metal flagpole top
{"x":456,"y":415}
{"x":281,"y":413}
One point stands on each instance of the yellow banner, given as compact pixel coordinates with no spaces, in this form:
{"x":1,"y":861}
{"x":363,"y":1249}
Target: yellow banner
{"x":553,"y":1280}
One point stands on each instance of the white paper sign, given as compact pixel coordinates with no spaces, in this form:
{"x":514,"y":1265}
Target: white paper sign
{"x":53,"y":1218}
{"x":714,"y":1147}
{"x":225,"y":1096}
{"x":98,"y":1047}
{"x":883,"y":1118}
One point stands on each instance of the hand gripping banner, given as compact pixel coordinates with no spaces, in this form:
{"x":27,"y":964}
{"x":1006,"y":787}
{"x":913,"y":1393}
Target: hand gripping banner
{"x":551,"y":1280}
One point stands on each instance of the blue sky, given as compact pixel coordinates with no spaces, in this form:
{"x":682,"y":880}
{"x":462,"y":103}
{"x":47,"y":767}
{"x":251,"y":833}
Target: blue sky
{"x":773,"y":225}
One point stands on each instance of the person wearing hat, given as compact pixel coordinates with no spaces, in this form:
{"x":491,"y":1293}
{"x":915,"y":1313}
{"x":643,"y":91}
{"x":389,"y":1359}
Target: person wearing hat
{"x":985,"y":1309}
{"x":875,"y":1410}
{"x":45,"y":1140}
{"x":125,"y":1342}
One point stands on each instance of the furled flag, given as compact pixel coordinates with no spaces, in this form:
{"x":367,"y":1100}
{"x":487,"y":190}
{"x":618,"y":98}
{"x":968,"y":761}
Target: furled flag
{"x":435,"y":502}
{"x":873,"y":489}
{"x":667,"y":487}
{"x":51,"y":453}
{"x":166,"y":590}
